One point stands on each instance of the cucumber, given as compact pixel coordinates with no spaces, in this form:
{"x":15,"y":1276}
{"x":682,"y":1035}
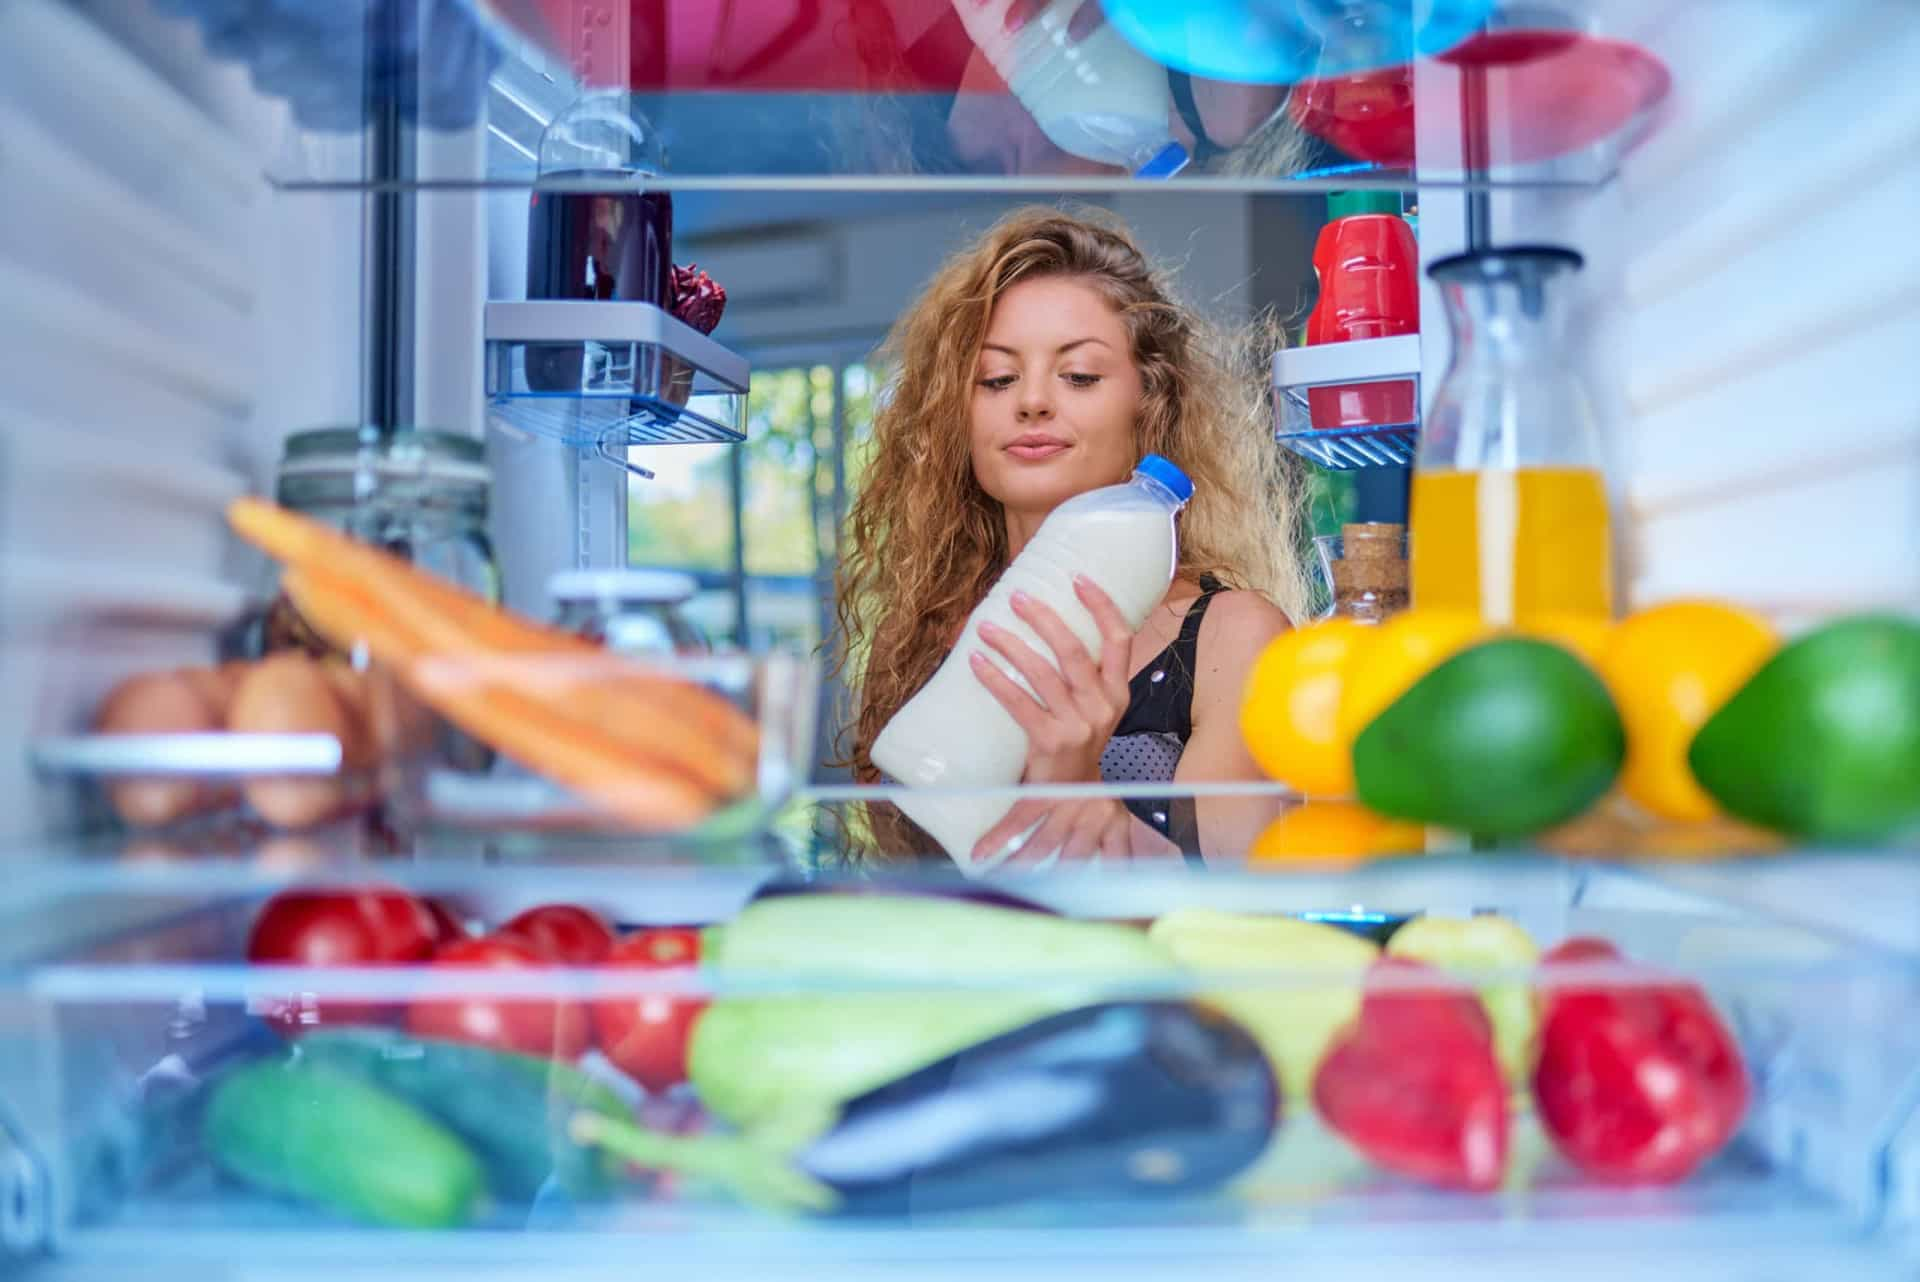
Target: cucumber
{"x":323,"y":1136}
{"x":512,"y":1110}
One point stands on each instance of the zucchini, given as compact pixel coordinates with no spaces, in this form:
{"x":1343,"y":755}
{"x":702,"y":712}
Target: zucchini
{"x":511,"y":1109}
{"x":917,"y":937}
{"x":323,"y":1136}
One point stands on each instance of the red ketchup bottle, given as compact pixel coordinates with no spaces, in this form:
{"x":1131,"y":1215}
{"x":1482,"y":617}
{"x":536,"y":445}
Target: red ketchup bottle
{"x":1369,"y":269}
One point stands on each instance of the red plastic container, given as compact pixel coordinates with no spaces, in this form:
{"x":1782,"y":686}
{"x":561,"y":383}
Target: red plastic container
{"x":1369,"y":268}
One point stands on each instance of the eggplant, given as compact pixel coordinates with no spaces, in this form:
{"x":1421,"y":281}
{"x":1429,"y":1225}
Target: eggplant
{"x":1117,"y":1101}
{"x":929,"y":886}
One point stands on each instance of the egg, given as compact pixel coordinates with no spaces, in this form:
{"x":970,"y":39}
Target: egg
{"x":291,"y":694}
{"x":353,"y":689}
{"x":158,"y":703}
{"x":400,"y":727}
{"x":287,"y":852}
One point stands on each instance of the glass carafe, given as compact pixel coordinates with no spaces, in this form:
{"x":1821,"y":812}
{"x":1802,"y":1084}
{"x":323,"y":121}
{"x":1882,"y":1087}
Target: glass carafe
{"x":1509,"y":515}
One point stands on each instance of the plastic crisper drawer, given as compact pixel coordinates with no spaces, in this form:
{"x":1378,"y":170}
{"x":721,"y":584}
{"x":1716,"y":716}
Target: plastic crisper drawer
{"x":126,"y":1000}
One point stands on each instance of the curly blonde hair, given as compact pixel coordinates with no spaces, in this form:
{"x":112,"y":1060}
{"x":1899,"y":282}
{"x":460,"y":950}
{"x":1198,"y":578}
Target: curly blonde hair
{"x":923,"y":542}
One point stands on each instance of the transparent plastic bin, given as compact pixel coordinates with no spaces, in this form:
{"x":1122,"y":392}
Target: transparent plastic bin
{"x":125,"y":999}
{"x":610,"y":375}
{"x":669,"y":720}
{"x":1349,"y":405}
{"x":420,"y":779}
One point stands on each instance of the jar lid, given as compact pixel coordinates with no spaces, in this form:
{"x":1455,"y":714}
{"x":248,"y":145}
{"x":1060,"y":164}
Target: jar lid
{"x":1347,"y":204}
{"x":651,"y":587}
{"x":431,"y":454}
{"x":1509,"y":263}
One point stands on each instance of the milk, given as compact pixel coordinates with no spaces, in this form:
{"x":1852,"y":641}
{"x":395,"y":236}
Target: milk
{"x":954,"y":734}
{"x":1098,"y":98}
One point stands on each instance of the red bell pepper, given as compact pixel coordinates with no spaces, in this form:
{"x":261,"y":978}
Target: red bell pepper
{"x":1638,"y":1079}
{"x":1413,"y":1083}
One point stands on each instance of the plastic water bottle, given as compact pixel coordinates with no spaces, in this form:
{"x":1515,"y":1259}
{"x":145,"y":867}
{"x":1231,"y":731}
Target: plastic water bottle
{"x":1098,"y":98}
{"x":954,"y":734}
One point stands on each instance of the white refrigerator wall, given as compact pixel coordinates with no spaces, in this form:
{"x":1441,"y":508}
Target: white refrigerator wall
{"x":166,"y":319}
{"x":1751,"y":318}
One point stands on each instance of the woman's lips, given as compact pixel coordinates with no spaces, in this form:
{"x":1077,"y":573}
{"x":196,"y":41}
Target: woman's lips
{"x":1037,"y":448}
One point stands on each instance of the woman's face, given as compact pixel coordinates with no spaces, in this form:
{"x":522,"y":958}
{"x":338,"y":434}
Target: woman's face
{"x":1054,"y":397}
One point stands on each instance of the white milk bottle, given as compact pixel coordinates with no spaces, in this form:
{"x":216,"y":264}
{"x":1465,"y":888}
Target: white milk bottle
{"x":954,"y":734}
{"x":1098,"y":98}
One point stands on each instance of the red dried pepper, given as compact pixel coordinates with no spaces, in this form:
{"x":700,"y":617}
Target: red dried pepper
{"x":698,"y":299}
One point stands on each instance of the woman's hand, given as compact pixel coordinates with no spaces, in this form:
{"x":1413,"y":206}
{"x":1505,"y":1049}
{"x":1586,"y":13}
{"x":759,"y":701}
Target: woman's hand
{"x":1076,"y":829}
{"x":1073,"y":708}
{"x":992,"y":132}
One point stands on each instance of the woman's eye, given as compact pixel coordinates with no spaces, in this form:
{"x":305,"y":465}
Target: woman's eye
{"x":1082,"y":380}
{"x":997,"y":383}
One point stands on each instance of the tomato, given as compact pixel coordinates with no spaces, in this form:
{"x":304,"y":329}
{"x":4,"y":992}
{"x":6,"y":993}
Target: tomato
{"x":646,"y":1035}
{"x":532,"y":1025}
{"x":1638,"y":1081}
{"x":1414,"y":1083}
{"x":361,"y":926}
{"x":569,"y":934}
{"x":447,"y":925}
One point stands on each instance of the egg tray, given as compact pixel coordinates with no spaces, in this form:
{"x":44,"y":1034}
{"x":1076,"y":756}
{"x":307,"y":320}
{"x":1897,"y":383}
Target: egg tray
{"x":225,"y":761}
{"x":221,"y":754}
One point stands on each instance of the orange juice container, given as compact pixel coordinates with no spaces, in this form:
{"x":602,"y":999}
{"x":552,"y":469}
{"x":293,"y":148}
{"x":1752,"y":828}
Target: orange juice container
{"x":1509,"y":509}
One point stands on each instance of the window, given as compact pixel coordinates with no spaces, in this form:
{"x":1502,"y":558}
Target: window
{"x":758,"y":524}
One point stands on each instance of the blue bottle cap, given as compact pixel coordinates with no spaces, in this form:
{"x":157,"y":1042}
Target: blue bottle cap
{"x":1165,"y":471}
{"x":1165,"y":162}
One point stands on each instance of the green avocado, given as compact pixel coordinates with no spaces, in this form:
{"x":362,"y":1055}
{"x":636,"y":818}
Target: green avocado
{"x":1502,"y":740}
{"x":1824,"y":741}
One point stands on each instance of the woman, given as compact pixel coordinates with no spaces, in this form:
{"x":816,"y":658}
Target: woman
{"x":1040,"y":363}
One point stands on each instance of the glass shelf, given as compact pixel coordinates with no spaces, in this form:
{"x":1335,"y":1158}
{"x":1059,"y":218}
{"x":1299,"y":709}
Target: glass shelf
{"x":896,"y":93}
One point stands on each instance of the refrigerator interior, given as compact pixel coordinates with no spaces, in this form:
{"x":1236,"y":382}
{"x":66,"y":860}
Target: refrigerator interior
{"x":180,"y":250}
{"x":116,"y":1031}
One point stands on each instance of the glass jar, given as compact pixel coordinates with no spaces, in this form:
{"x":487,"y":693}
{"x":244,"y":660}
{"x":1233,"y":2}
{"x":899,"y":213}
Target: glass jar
{"x":1365,"y":570}
{"x":633,"y":612}
{"x":1509,"y":509}
{"x":614,"y":244}
{"x":420,"y":495}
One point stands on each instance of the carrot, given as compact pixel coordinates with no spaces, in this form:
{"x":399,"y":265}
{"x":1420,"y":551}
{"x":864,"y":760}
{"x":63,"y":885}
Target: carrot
{"x":646,"y":792}
{"x":623,"y":699}
{"x":472,"y":625}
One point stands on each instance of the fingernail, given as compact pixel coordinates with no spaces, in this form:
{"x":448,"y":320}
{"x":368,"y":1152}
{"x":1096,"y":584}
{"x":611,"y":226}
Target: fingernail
{"x":1017,"y":14}
{"x":1022,"y":600}
{"x":988,"y":630}
{"x":1086,"y":20}
{"x":977,"y":659}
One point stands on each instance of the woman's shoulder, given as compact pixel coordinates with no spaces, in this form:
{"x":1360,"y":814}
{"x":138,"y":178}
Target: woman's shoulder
{"x":1236,"y":628}
{"x":1235,"y":614}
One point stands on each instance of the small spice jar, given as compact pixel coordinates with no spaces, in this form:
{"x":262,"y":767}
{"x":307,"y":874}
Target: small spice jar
{"x":632,"y":612}
{"x":1366,"y":569}
{"x":420,"y":495}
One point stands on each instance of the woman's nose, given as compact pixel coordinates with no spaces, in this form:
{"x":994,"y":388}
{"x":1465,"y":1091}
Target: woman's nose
{"x":1036,"y":399}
